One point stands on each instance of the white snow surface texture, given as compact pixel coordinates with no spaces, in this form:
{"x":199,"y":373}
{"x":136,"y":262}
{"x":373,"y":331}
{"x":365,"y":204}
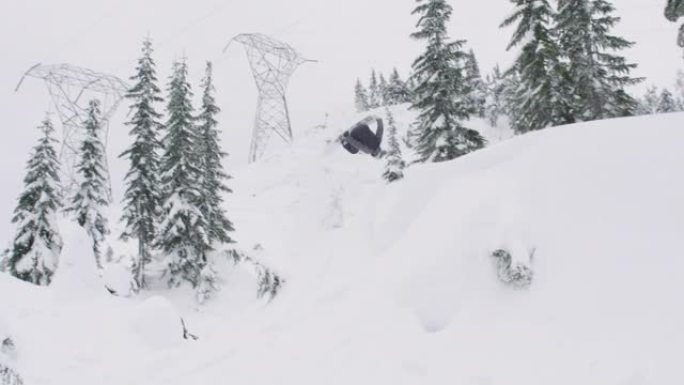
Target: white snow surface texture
{"x":394,"y":284}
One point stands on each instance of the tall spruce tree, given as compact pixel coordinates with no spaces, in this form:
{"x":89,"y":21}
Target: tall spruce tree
{"x":442,"y":95}
{"x":649,"y":103}
{"x":360,"y":97}
{"x":478,"y":91}
{"x":213,"y":183}
{"x":667,"y":102}
{"x":542,"y":98}
{"x":374,"y":97}
{"x":184,"y":234}
{"x":599,"y":75}
{"x":495,"y":100}
{"x":91,"y":197}
{"x":394,"y":169}
{"x":37,"y":244}
{"x":398,"y":90}
{"x":383,"y":86}
{"x":143,"y":196}
{"x":213,"y":176}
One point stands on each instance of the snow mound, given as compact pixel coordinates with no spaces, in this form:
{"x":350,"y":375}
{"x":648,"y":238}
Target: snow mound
{"x":157,"y":323}
{"x":118,"y":279}
{"x":396,"y":283}
{"x":77,"y":274}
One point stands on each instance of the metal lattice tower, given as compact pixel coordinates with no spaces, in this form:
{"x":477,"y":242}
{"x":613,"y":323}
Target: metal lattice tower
{"x":71,"y":88}
{"x":273,"y":63}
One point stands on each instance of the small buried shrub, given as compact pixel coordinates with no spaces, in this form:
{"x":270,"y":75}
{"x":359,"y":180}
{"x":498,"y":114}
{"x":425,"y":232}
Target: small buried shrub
{"x":514,"y":273}
{"x":9,"y":376}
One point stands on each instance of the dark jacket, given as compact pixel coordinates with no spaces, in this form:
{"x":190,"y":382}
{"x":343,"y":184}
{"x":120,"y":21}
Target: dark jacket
{"x":361,"y":138}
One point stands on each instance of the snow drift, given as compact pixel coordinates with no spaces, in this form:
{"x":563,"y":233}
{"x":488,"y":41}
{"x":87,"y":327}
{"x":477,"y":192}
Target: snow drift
{"x":396,"y":284}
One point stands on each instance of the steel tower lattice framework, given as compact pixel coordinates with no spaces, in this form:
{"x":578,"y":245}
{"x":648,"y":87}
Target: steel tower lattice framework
{"x":272,"y":63}
{"x":71,"y":88}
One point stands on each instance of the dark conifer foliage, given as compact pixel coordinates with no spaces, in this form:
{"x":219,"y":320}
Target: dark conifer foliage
{"x":543,"y":97}
{"x":394,"y":169}
{"x":442,"y":94}
{"x":183,"y":233}
{"x":598,"y":73}
{"x":37,"y":244}
{"x":143,"y":196}
{"x":213,"y":176}
{"x":91,"y":197}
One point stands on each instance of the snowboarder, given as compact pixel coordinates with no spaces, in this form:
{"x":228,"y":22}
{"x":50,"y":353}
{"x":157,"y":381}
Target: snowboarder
{"x":361,"y":138}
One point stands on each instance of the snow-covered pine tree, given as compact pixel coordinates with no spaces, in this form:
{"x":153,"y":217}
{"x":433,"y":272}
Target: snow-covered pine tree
{"x":394,"y":169}
{"x":37,"y":244}
{"x":598,"y":74}
{"x":374,"y":97}
{"x":495,"y":100}
{"x":383,"y":86}
{"x":360,"y":97}
{"x":213,"y":175}
{"x":649,"y":103}
{"x":511,"y":84}
{"x":411,"y":85}
{"x":183,"y":234}
{"x":442,"y":94}
{"x":91,"y":197}
{"x":143,"y":196}
{"x":679,"y":84}
{"x":541,"y":98}
{"x":666,"y":102}
{"x":398,"y":90}
{"x":473,"y":76}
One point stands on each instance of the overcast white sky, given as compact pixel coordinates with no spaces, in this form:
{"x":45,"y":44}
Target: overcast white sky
{"x":347,"y":37}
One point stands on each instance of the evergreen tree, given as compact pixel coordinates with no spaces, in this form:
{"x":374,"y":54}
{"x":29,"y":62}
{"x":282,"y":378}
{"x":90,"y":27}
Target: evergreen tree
{"x":213,"y":176}
{"x":183,"y":235}
{"x":679,"y":84}
{"x":511,"y":85}
{"x":37,"y":244}
{"x":384,"y":91}
{"x":143,"y":196}
{"x":398,"y":90}
{"x":666,"y":102}
{"x":598,"y":75}
{"x":441,"y":95}
{"x":360,"y":97}
{"x":91,"y":197}
{"x":649,"y":103}
{"x":540,"y":100}
{"x":411,"y":85}
{"x":394,"y":169}
{"x":495,"y":100}
{"x":475,"y":82}
{"x":374,"y":92}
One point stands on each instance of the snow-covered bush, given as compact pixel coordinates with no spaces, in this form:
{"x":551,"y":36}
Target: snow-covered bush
{"x":157,"y":323}
{"x":9,"y":376}
{"x":268,"y":282}
{"x":511,"y":272}
{"x":7,"y":354}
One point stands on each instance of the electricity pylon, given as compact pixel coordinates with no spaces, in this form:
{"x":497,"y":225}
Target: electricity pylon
{"x":273,"y":63}
{"x":71,"y":88}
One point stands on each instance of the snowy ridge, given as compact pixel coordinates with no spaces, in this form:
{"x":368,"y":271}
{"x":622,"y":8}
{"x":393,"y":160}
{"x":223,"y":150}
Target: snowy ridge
{"x":395,"y":284}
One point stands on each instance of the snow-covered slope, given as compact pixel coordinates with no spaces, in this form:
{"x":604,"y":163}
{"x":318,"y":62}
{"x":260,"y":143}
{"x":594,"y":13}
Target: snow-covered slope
{"x":394,"y":284}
